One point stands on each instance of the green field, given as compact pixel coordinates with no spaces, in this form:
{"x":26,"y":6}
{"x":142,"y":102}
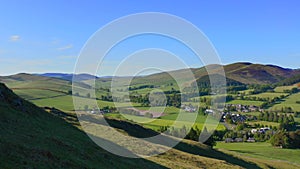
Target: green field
{"x":263,"y":151}
{"x":34,"y":94}
{"x":155,"y":124}
{"x":33,"y":138}
{"x":264,"y":123}
{"x":280,"y":89}
{"x":289,"y":102}
{"x":269,"y":95}
{"x":246,"y":102}
{"x":246,"y":91}
{"x":54,"y":93}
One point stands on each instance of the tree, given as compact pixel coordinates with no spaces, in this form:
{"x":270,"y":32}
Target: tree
{"x":88,"y":95}
{"x":271,"y":117}
{"x":86,"y":107}
{"x":286,"y":139}
{"x":149,"y":115}
{"x":192,"y":135}
{"x":294,"y":90}
{"x":240,"y":126}
{"x":210,"y":141}
{"x":275,"y":119}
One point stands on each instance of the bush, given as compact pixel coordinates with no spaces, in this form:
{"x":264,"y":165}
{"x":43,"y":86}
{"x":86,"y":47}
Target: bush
{"x":286,"y":139}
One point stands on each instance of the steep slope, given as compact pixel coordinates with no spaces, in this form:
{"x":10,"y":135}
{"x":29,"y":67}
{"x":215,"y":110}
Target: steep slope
{"x":33,"y":138}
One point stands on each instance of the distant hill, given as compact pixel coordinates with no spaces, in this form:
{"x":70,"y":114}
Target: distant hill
{"x":249,"y":73}
{"x":24,"y":80}
{"x":242,"y":72}
{"x":69,"y":77}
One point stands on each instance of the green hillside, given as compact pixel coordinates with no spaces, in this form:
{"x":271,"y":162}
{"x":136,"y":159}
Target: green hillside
{"x":32,"y":137}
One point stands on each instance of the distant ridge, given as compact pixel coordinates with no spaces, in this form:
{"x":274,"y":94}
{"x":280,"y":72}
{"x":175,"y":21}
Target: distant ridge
{"x":69,"y":77}
{"x":243,"y":72}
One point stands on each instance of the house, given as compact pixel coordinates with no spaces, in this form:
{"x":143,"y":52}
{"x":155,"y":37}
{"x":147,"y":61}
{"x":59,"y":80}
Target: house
{"x":253,"y":108}
{"x":251,"y":140}
{"x":263,"y":130}
{"x":189,"y":108}
{"x":209,"y":111}
{"x":238,"y":140}
{"x":253,"y":131}
{"x":228,"y":140}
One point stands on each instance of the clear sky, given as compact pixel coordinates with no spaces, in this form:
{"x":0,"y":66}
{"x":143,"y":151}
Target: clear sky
{"x":47,"y":36}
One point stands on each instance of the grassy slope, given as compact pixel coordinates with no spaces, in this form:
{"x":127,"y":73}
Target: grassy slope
{"x":31,"y":137}
{"x":246,"y":102}
{"x":269,"y":95}
{"x":263,"y":153}
{"x":280,"y":89}
{"x":243,"y":72}
{"x":289,"y":102}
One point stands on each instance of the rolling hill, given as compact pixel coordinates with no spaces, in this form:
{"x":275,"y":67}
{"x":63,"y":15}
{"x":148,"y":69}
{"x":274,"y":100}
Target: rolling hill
{"x":243,"y":72}
{"x":69,"y":77}
{"x":34,"y":138}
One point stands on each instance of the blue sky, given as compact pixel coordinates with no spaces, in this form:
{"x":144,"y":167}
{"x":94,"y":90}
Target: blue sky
{"x":47,"y":36}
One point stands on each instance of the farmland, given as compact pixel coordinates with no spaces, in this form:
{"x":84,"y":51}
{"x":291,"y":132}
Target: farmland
{"x":246,"y":102}
{"x":289,"y":102}
{"x":173,"y":117}
{"x":263,"y":152}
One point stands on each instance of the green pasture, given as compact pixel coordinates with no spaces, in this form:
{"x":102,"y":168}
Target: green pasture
{"x":281,"y":89}
{"x":246,"y":102}
{"x":289,"y":102}
{"x":269,"y":95}
{"x":261,"y":150}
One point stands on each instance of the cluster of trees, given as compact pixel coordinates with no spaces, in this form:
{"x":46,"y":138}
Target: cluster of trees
{"x":171,"y":100}
{"x":274,"y":117}
{"x":193,"y":134}
{"x":291,"y":91}
{"x":297,"y":114}
{"x":257,"y":88}
{"x":144,"y":100}
{"x":283,"y":110}
{"x":140,"y":87}
{"x":216,"y":99}
{"x":245,"y":134}
{"x":258,"y":125}
{"x":174,"y":100}
{"x":236,"y":89}
{"x":106,"y":98}
{"x":286,"y":139}
{"x":286,"y":122}
{"x":290,"y":81}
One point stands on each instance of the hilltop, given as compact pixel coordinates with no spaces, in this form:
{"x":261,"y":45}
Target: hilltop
{"x":241,"y":72}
